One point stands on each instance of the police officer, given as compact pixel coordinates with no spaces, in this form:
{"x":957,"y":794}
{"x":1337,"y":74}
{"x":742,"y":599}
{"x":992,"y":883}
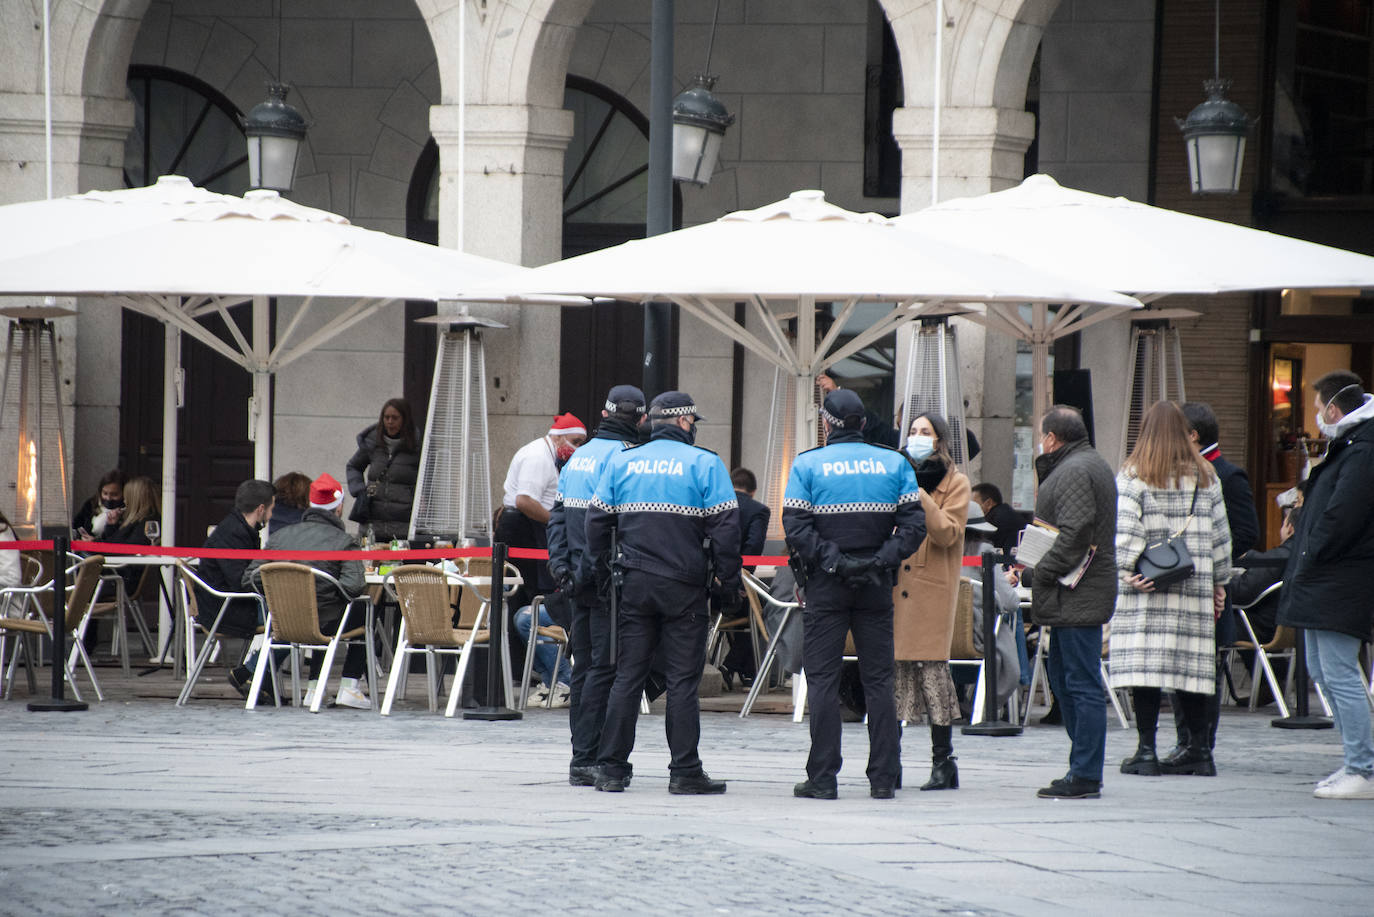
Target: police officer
{"x":850,"y":512}
{"x":571,"y":567}
{"x":678,"y":532}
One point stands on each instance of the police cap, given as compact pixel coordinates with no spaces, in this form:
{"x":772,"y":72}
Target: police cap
{"x":673,"y":404}
{"x":625,"y":399}
{"x":843,"y":409}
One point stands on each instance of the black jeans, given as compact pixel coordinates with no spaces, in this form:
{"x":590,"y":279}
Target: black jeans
{"x":833,"y":610}
{"x":655,"y":611}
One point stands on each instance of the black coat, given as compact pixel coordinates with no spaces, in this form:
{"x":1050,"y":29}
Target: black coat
{"x":1078,"y":496}
{"x":1326,"y":582}
{"x":753,"y":523}
{"x":1009,"y":526}
{"x":391,"y":477}
{"x":226,"y":574}
{"x":1241,"y":518}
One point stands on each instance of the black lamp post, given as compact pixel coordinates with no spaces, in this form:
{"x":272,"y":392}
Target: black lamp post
{"x":1215,"y":132}
{"x":274,"y":131}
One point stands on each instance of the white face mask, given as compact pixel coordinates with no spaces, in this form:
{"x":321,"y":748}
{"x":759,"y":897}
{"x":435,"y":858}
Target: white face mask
{"x":1332,"y":430}
{"x":920,"y":447}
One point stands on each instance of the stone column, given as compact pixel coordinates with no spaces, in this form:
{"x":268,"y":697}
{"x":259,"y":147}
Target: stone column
{"x":982,"y":149}
{"x":513,"y":212}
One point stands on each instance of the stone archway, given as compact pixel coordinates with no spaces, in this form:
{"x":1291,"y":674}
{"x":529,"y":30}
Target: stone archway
{"x":989,"y":47}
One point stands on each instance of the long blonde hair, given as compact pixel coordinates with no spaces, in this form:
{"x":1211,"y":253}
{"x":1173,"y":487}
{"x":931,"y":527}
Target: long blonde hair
{"x":1164,"y":456}
{"x":141,"y":500}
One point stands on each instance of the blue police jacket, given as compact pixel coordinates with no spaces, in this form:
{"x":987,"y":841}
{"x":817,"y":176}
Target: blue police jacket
{"x":850,"y":497}
{"x":567,"y":529}
{"x":666,"y":498}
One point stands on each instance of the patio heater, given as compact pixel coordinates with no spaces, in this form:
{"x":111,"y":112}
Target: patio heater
{"x":932,"y":383}
{"x":783,"y":444}
{"x":31,"y":407}
{"x":453,"y":490}
{"x":1156,"y":364}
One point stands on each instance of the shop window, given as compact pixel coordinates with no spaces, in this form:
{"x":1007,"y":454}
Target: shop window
{"x":1322,"y":127}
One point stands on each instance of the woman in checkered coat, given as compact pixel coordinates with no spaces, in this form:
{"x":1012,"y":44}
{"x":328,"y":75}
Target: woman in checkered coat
{"x":1164,"y":639}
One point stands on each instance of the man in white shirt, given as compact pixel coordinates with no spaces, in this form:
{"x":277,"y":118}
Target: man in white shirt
{"x":530,"y":488}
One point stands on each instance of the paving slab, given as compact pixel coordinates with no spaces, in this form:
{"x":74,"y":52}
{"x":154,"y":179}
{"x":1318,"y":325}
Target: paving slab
{"x":136,"y":805}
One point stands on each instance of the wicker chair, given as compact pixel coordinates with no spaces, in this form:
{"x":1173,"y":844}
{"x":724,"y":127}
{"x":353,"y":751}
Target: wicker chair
{"x":425,"y":596}
{"x":33,"y":615}
{"x":124,"y":606}
{"x":541,"y":634}
{"x":187,"y":584}
{"x":293,"y":621}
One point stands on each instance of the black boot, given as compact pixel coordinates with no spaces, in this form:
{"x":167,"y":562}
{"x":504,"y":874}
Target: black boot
{"x":1144,"y":763}
{"x":944,"y":774}
{"x":1194,"y":761}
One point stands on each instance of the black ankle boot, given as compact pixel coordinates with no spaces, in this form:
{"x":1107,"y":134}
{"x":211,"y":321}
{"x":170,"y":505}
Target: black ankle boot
{"x":1143,"y":763}
{"x":1193,"y":761}
{"x":944,"y":775}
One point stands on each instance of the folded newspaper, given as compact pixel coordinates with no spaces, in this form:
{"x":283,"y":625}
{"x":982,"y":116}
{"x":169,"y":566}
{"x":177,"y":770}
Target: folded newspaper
{"x":1036,"y":541}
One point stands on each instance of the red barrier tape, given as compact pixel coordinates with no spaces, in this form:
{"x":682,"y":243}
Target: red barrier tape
{"x":108,"y":548}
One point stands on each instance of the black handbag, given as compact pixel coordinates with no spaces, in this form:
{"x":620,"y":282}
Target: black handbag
{"x":361,"y":511}
{"x":1167,"y":563}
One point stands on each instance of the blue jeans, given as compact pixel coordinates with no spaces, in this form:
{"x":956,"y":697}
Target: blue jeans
{"x":1333,"y":660}
{"x":1074,"y":665}
{"x":546,"y":652}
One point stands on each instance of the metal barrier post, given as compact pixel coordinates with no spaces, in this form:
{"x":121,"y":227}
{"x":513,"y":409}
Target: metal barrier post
{"x":58,"y":701}
{"x":496,"y":645}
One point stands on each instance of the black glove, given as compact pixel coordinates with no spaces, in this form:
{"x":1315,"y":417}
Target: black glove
{"x":858,"y":572}
{"x":728,"y":597}
{"x":567,"y":583}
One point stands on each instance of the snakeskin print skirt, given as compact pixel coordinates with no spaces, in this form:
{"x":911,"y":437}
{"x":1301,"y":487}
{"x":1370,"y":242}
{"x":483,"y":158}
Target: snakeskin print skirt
{"x":925,"y":687}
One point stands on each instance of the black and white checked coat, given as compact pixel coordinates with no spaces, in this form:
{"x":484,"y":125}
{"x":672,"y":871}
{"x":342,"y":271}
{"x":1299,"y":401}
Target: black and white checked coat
{"x":1167,"y":639}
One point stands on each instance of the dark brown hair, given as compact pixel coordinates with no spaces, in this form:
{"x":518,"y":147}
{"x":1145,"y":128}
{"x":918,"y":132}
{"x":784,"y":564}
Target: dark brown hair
{"x":293,"y":489}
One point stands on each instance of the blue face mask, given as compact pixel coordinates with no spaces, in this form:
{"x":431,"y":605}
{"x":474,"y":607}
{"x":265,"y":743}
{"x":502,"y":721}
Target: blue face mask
{"x":920,"y":447}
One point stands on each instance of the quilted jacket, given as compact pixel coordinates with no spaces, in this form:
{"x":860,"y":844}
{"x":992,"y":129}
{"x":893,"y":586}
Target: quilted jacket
{"x":1078,"y":496}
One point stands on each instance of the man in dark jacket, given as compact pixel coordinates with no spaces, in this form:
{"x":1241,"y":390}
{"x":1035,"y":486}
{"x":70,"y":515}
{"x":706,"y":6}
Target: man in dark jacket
{"x":321,"y":529}
{"x":1006,"y":520}
{"x":1243,"y":522}
{"x":1326,"y":583}
{"x":253,"y":503}
{"x":1078,"y":496}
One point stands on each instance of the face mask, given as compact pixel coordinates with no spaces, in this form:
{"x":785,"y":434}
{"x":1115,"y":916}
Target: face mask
{"x":257,"y":526}
{"x":692,"y":433}
{"x":1040,"y":448}
{"x":565,"y":452}
{"x":112,"y":504}
{"x":919,"y":447}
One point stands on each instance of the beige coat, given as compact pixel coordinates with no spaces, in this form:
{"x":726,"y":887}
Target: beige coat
{"x":928,"y":581}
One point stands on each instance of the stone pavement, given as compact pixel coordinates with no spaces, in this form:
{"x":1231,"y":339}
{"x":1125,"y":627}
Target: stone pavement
{"x":138,"y":807}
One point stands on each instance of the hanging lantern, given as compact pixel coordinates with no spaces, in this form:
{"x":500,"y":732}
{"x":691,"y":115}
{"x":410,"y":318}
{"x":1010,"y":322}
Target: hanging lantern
{"x":274,"y":131}
{"x":699,"y":123}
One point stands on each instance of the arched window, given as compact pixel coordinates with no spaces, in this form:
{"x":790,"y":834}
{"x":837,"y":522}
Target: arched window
{"x":183,"y":126}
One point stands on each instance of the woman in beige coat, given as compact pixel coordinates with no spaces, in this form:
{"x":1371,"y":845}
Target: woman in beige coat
{"x":925,"y":596}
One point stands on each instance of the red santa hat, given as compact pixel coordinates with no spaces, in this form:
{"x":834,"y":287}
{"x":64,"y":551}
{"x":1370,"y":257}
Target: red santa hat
{"x":567,"y":425}
{"x":325,"y":492}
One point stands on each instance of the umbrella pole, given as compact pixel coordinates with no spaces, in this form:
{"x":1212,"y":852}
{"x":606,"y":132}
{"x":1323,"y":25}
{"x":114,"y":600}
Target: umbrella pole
{"x":262,"y":394}
{"x":1040,"y":362}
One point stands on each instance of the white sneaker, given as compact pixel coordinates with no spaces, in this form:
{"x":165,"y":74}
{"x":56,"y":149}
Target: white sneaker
{"x":351,"y":695}
{"x":538,"y":696}
{"x":562,"y":693}
{"x":1347,"y":786}
{"x":1332,"y":778}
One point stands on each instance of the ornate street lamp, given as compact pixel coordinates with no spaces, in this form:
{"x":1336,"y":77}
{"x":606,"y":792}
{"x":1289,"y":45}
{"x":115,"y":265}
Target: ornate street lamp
{"x":1215,"y":133}
{"x":274,"y":131}
{"x":699,"y":123}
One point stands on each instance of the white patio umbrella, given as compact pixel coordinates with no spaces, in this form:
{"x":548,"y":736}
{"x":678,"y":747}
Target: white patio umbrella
{"x":178,"y":253}
{"x":788,"y":256}
{"x":1119,"y":244}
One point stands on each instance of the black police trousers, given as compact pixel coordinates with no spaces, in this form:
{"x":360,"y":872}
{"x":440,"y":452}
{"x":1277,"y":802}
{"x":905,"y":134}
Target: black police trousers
{"x":592,"y":675}
{"x":654,"y":611}
{"x":834,"y":610}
